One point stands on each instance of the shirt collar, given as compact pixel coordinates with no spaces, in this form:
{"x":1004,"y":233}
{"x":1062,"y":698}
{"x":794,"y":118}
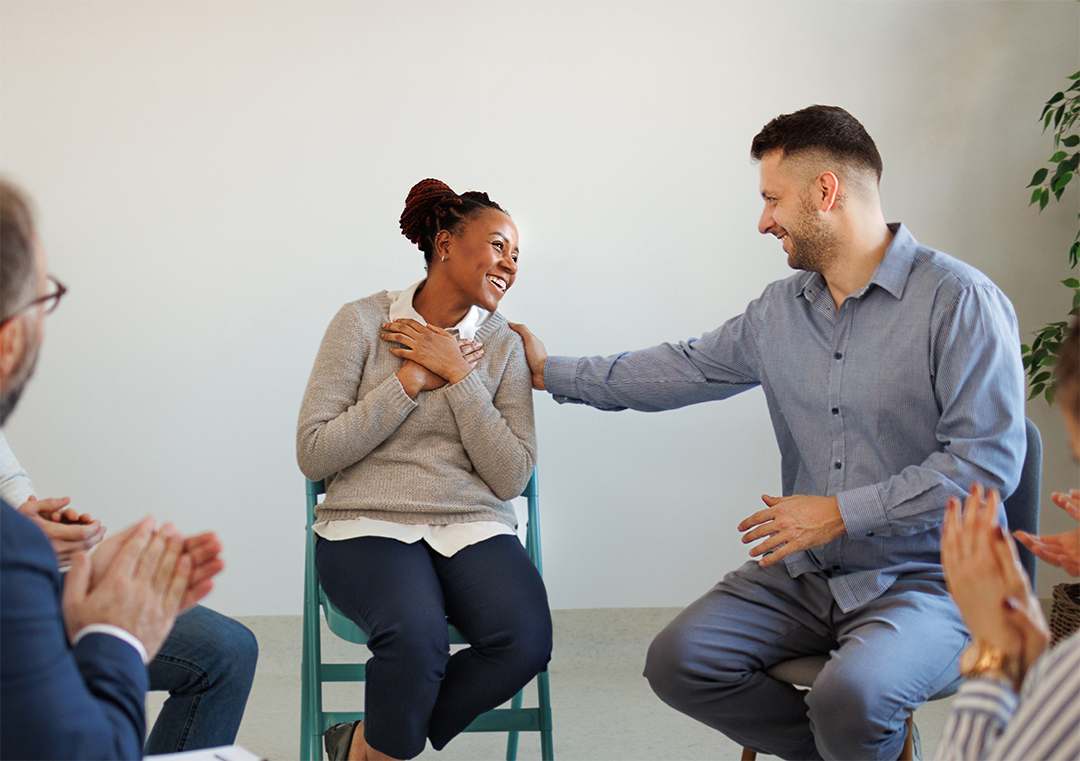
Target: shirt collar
{"x":401,"y":308}
{"x":893,"y":270}
{"x":891,"y":273}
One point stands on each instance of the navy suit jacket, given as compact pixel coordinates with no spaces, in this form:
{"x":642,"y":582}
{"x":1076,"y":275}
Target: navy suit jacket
{"x":58,"y":701}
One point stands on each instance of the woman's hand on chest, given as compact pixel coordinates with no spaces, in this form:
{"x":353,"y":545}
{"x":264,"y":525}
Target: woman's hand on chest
{"x":429,"y":351}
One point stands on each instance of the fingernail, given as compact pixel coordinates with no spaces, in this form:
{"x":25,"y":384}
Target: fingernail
{"x":999,"y":532}
{"x":1010,"y":604}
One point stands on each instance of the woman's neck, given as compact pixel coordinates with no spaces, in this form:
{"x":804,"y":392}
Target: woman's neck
{"x":437,"y":307}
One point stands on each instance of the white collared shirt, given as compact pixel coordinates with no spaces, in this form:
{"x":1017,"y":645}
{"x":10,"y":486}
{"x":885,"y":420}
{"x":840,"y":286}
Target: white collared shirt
{"x":444,"y":539}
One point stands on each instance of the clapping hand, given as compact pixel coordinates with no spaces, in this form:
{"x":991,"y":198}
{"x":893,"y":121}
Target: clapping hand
{"x":140,"y":590}
{"x":1061,"y":550}
{"x":202,"y":550}
{"x":985,"y":579}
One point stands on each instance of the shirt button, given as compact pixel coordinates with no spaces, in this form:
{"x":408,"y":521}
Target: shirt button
{"x":837,"y":465}
{"x":869,"y":533}
{"x":836,"y":410}
{"x":838,"y":355}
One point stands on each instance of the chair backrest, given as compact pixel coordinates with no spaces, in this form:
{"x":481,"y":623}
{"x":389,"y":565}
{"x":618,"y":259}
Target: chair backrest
{"x":1022,"y":506}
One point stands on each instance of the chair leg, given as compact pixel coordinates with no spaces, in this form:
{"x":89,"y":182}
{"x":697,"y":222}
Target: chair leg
{"x":512,"y":736}
{"x":908,"y":751}
{"x":543,"y":694}
{"x":748,"y":755}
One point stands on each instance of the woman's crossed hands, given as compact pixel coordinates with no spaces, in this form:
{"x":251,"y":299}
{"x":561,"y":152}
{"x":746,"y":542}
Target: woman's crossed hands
{"x":432,"y":356}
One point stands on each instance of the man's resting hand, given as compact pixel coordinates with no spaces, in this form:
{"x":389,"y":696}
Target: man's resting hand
{"x":67,"y":531}
{"x":791,"y":524}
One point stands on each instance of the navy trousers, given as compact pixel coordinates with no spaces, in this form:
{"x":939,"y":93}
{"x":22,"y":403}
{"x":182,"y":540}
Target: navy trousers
{"x":401,"y":595}
{"x":887,"y":658}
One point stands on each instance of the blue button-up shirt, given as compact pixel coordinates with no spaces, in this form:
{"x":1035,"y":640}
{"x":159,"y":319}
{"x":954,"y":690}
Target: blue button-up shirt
{"x":903,"y":397}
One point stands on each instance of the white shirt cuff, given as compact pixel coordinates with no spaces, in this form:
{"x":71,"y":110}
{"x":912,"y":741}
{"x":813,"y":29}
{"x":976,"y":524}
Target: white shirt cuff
{"x":114,"y":631}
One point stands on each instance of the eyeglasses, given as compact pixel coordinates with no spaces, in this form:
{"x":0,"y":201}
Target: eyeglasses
{"x":50,"y":301}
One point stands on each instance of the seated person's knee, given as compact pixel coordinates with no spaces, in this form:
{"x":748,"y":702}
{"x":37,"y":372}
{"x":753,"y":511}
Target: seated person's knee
{"x":666,"y":663}
{"x":842,"y":719}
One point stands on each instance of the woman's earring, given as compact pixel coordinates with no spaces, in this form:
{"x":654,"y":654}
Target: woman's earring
{"x":444,"y":258}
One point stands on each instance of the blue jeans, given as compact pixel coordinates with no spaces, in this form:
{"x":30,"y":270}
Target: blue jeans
{"x":401,"y":595}
{"x":207,"y":665}
{"x":887,"y":657}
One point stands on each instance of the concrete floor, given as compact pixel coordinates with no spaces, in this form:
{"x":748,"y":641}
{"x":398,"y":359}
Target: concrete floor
{"x":603,"y":708}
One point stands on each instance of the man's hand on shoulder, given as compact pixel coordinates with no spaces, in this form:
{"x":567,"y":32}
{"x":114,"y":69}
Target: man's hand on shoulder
{"x":792,"y":524}
{"x":535,"y":354}
{"x":67,"y":531}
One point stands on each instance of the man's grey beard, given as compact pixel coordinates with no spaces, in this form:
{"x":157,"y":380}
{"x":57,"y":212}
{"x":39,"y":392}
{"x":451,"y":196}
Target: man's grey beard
{"x":9,"y":397}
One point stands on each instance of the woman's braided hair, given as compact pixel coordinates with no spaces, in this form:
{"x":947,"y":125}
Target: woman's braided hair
{"x":432,"y":206}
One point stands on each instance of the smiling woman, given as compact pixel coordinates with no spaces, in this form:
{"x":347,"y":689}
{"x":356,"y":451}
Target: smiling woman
{"x":418,"y":414}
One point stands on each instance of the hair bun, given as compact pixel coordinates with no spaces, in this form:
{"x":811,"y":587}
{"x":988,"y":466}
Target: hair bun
{"x":426,"y":202}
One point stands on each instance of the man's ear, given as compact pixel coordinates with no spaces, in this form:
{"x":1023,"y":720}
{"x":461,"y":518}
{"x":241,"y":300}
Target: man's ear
{"x":12,"y":347}
{"x":826,"y":190}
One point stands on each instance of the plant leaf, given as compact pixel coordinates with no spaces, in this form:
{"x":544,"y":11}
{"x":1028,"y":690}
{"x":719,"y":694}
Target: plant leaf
{"x":1038,"y":178}
{"x":1044,"y":198}
{"x":1071,"y":282}
{"x":1071,"y":141}
{"x":1059,"y":156}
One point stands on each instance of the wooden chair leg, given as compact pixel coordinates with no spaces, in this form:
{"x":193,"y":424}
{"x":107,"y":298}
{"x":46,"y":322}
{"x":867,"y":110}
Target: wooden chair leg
{"x":908,"y":752}
{"x":748,"y":755}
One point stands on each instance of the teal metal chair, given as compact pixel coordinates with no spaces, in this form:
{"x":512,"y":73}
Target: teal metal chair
{"x":314,"y":720}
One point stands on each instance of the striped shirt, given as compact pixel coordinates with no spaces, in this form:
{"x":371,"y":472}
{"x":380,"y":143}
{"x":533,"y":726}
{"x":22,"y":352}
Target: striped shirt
{"x":990,"y":721}
{"x":903,"y":397}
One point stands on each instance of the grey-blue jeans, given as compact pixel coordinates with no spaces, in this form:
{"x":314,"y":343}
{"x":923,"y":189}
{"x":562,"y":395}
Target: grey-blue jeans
{"x":888,"y":657}
{"x":207,"y":665}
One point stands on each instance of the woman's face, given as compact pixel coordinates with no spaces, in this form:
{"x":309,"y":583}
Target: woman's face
{"x":481,"y":259}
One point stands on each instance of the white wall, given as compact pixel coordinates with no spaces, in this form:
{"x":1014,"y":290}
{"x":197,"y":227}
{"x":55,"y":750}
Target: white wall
{"x":215,"y":179}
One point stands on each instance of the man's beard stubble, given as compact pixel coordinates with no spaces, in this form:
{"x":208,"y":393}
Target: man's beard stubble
{"x":9,"y":397}
{"x":813,"y":245}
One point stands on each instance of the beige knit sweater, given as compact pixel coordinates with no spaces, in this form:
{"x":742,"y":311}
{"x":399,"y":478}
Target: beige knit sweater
{"x":454,"y":455}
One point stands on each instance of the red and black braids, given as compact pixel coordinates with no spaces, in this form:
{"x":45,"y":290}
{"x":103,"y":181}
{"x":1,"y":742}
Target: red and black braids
{"x":432,"y":206}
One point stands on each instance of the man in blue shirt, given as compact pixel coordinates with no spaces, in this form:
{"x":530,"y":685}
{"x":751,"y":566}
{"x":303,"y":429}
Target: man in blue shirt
{"x":893,"y":379}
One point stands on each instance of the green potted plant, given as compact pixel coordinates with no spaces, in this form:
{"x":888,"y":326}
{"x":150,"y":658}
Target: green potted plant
{"x":1061,"y":111}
